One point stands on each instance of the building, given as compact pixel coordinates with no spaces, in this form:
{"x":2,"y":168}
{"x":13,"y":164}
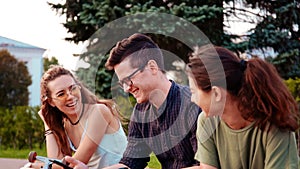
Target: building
{"x":33,"y":57}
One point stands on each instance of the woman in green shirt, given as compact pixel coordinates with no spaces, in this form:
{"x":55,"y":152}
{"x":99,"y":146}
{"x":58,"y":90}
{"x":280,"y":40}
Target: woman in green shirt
{"x":249,"y":117}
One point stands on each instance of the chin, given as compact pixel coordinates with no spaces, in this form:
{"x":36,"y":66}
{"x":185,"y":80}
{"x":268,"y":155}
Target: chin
{"x":140,"y":100}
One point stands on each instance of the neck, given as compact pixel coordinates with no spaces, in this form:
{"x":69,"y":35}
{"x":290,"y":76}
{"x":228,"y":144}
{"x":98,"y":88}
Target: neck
{"x":81,"y":113}
{"x":159,"y":94}
{"x":233,"y":118}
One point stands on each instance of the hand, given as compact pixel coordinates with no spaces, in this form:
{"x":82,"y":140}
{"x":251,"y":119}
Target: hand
{"x":43,"y":119}
{"x":36,"y":165}
{"x":41,"y":115}
{"x":26,"y":166}
{"x":75,"y":164}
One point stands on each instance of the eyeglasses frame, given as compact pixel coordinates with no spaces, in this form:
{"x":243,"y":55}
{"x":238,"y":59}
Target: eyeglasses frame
{"x":70,"y":92}
{"x":128,"y":78}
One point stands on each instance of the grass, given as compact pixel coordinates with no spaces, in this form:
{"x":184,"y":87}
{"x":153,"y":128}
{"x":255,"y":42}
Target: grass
{"x":20,"y":154}
{"x":23,"y":154}
{"x":154,"y":163}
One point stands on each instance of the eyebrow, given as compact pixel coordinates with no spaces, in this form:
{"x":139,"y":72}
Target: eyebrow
{"x":134,"y":72}
{"x":62,"y":90}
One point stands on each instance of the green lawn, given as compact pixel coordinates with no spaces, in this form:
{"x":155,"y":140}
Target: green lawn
{"x":20,"y":154}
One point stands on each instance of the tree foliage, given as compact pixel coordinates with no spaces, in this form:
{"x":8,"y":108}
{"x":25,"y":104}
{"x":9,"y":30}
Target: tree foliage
{"x":85,"y":17}
{"x":277,"y":26}
{"x":294,"y":86}
{"x":48,"y":62}
{"x":21,"y":127}
{"x":279,"y":29}
{"x":14,"y":81}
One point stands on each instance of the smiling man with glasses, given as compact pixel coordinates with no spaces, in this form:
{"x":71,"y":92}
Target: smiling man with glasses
{"x":164,"y":119}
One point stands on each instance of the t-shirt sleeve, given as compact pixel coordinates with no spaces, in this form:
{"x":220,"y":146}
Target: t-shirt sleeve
{"x":281,"y":150}
{"x":207,"y":151}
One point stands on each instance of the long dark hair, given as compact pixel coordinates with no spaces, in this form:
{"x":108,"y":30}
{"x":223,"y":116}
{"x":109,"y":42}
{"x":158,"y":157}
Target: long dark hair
{"x":256,"y":85}
{"x":54,"y":118}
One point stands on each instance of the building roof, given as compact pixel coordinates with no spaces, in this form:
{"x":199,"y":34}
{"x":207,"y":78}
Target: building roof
{"x":6,"y":42}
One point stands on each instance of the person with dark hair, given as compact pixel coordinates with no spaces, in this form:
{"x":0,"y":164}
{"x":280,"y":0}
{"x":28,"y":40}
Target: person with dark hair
{"x":164,"y":118}
{"x":77,"y":123}
{"x":249,"y":116}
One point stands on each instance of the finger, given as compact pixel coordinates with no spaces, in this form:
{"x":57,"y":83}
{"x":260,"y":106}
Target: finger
{"x":36,"y":165}
{"x":71,"y":160}
{"x":26,"y":166}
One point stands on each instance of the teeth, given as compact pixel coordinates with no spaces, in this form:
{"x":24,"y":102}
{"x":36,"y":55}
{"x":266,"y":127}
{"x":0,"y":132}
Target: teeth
{"x":135,"y":92}
{"x":72,"y":104}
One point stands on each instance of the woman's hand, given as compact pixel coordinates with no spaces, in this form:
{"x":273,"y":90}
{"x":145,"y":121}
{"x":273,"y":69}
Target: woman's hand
{"x":41,"y":115}
{"x":27,"y":166}
{"x":43,"y":119}
{"x":32,"y":166}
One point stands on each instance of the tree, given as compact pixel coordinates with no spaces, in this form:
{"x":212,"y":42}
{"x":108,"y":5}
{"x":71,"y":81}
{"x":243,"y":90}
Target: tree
{"x":279,"y":29}
{"x":20,"y":127}
{"x":14,"y":81}
{"x":277,"y":23}
{"x":85,"y":17}
{"x":47,"y":62}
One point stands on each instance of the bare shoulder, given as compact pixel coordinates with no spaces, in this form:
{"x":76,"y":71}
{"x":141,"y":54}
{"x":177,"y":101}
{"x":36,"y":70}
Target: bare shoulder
{"x":107,"y":116}
{"x":104,"y":111}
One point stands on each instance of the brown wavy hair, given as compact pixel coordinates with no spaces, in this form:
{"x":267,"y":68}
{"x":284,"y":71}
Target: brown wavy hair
{"x":54,"y":118}
{"x":255,"y":84}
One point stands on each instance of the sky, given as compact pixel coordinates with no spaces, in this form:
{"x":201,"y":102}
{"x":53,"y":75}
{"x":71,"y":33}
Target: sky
{"x":35,"y":23}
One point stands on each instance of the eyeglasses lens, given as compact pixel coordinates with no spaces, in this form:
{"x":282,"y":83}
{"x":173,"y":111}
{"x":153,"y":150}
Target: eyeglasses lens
{"x":73,"y":90}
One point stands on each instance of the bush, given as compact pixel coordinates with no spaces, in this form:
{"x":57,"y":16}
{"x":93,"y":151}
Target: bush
{"x":20,"y":128}
{"x":294,"y":87}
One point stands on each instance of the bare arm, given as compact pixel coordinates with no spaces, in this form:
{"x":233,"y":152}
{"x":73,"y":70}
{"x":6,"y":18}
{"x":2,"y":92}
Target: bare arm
{"x":202,"y":166}
{"x":205,"y":166}
{"x":194,"y":167}
{"x":116,"y":166}
{"x":98,"y":122}
{"x":51,"y":144}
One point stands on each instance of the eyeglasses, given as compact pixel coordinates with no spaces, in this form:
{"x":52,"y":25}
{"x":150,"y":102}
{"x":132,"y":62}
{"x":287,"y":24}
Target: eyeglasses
{"x":62,"y":95}
{"x":127,"y":80}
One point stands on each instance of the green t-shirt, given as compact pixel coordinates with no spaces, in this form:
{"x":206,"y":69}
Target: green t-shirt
{"x":247,"y":148}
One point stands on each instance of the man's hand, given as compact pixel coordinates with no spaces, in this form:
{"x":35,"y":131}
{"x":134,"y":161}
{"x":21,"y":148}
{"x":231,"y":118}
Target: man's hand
{"x":75,"y":164}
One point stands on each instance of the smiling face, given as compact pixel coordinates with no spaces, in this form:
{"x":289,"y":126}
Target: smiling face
{"x":65,"y":94}
{"x":141,"y":84}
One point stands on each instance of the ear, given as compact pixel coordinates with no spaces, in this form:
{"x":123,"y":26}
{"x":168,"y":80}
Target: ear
{"x":216,"y":93}
{"x":153,"y":66}
{"x":50,"y":101}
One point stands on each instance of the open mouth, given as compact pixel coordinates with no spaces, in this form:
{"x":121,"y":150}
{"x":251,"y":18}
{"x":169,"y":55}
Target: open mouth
{"x":74,"y":103}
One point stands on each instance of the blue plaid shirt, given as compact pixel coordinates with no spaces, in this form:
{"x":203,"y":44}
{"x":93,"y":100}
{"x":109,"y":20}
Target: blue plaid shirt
{"x":169,"y":132}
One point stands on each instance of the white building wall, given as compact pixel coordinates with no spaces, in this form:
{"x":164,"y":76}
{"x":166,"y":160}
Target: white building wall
{"x":34,"y":59}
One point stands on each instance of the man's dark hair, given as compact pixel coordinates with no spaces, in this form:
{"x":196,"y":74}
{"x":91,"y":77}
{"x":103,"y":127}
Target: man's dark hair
{"x":139,"y":48}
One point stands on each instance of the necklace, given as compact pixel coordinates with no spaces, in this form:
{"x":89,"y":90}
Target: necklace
{"x":79,"y":117}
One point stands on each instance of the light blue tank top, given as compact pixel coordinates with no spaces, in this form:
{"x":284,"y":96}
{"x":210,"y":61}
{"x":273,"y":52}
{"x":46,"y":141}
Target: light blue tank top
{"x":109,"y":151}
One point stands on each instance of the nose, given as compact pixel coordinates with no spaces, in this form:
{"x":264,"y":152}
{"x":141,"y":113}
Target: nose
{"x":69,"y":93}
